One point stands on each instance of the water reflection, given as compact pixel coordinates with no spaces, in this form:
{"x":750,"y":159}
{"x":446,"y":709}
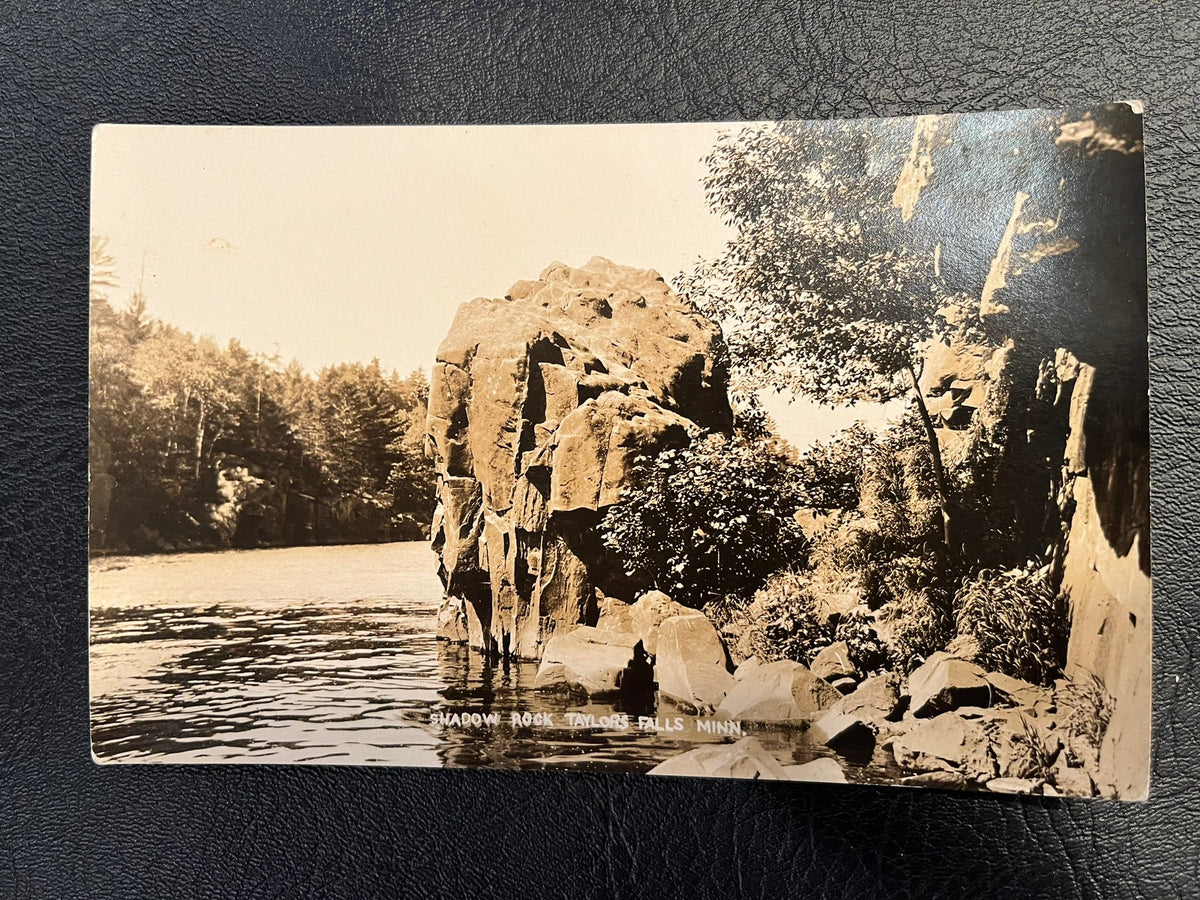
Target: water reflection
{"x":327,"y":655}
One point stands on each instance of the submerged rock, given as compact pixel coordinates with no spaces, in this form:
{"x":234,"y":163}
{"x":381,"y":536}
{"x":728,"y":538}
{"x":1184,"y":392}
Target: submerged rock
{"x":690,"y":665}
{"x":745,"y":759}
{"x":593,"y":661}
{"x":540,"y":404}
{"x":778,"y":692}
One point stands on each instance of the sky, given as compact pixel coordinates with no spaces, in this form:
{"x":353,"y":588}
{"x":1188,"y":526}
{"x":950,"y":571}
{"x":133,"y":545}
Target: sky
{"x":329,"y":244}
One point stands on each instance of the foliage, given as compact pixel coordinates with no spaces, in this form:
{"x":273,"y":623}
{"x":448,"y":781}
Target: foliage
{"x":1091,"y":709}
{"x":710,"y":519}
{"x":779,"y":622}
{"x":1019,"y":620}
{"x":832,"y":472}
{"x":915,"y":618}
{"x":864,"y":646}
{"x":785,"y":619}
{"x":169,"y":413}
{"x":898,"y":491}
{"x":816,"y":291}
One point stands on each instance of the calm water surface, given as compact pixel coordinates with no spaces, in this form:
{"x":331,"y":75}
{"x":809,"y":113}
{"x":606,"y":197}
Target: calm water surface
{"x":327,"y":655}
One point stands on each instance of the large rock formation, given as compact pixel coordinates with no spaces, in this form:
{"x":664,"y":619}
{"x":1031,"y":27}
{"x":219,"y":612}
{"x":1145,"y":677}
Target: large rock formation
{"x":1059,"y":382}
{"x":540,"y":404}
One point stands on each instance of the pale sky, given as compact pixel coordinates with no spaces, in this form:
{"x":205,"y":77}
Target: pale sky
{"x":335,"y":244}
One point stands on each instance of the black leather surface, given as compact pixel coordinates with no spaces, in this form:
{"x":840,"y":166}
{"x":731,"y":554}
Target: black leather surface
{"x":68,"y":828}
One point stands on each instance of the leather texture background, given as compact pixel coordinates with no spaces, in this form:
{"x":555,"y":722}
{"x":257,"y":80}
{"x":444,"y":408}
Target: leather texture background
{"x":69,"y":828}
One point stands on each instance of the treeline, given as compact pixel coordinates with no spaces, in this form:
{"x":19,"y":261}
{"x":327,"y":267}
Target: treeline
{"x":194,"y":445}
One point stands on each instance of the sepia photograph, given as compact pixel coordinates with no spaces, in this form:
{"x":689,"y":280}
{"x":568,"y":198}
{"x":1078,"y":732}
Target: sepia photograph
{"x":799,"y":450}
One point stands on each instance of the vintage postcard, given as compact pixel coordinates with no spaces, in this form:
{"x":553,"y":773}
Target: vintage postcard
{"x":813,"y":451}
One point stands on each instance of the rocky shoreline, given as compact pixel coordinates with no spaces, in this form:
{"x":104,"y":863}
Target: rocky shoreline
{"x":949,"y":724}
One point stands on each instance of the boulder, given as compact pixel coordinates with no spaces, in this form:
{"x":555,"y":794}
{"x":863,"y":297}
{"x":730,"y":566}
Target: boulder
{"x":949,"y":781}
{"x":745,"y":759}
{"x":945,"y":682}
{"x":947,"y":742}
{"x":875,"y":700}
{"x":690,"y":664}
{"x":540,"y":404}
{"x":452,"y":621}
{"x":1014,"y":785}
{"x":749,"y":664}
{"x":593,"y":661}
{"x":822,"y":769}
{"x":613,"y":615}
{"x":1074,"y":782}
{"x":1020,"y":742}
{"x":1015,"y":691}
{"x":833,"y":662}
{"x":649,"y":612}
{"x":778,"y":692}
{"x":844,"y":685}
{"x":848,"y":734}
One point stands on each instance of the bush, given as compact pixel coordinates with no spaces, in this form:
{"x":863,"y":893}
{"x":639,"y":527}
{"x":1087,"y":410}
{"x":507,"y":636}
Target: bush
{"x":780,"y":622}
{"x":712,"y":519}
{"x":915,"y":621}
{"x":831,"y":473}
{"x":785,"y":620}
{"x":898,"y":490}
{"x":1020,"y":622}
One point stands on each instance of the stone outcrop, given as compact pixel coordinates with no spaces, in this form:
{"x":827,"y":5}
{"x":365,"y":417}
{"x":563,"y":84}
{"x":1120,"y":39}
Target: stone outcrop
{"x":540,"y":404}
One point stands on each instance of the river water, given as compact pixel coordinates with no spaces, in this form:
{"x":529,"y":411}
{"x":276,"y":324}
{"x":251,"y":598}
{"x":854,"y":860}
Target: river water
{"x":328,"y":655}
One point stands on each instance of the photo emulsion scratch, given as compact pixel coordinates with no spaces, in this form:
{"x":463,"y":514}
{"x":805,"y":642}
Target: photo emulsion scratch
{"x":812,"y":451}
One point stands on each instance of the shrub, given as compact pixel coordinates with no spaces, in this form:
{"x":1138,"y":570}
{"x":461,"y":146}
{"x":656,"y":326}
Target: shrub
{"x":898,"y":490}
{"x":785,"y":620}
{"x":1020,"y":622}
{"x":1091,"y":708}
{"x":864,"y":645}
{"x":780,"y":622}
{"x":831,"y":473}
{"x":915,"y":621}
{"x":712,"y":519}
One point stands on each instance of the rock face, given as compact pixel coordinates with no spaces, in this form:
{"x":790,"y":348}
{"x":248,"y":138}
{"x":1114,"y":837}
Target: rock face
{"x":540,"y":403}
